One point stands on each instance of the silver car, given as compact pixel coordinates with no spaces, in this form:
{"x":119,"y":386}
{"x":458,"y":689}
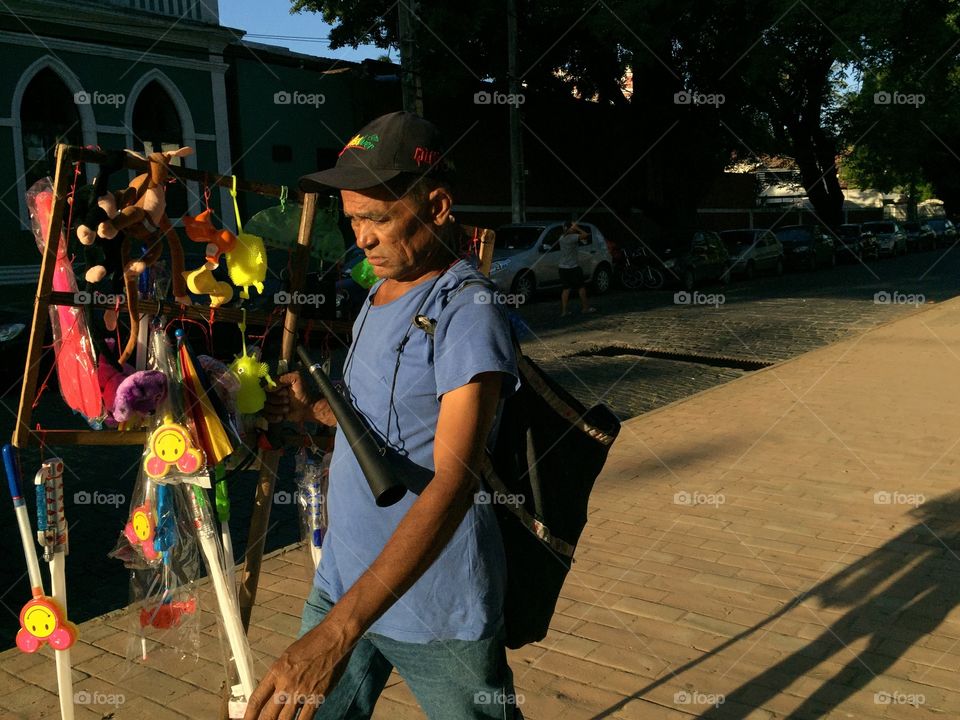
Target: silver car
{"x":891,"y":239}
{"x":526,"y":258}
{"x":752,"y":251}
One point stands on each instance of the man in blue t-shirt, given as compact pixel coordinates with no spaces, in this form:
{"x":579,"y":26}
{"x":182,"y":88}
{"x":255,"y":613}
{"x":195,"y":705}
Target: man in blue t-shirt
{"x":418,"y":585}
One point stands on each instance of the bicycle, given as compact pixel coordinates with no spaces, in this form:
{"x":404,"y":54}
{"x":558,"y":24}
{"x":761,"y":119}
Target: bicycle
{"x":640,"y":273}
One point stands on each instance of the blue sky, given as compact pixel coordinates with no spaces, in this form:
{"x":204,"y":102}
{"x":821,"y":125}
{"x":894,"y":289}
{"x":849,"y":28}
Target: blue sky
{"x":272,"y":17}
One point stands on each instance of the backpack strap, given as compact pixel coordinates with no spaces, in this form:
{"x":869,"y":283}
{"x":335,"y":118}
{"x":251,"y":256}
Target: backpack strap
{"x":536,"y":527}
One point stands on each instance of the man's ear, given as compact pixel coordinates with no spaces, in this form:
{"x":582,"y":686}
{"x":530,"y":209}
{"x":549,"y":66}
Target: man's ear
{"x":440,"y":202}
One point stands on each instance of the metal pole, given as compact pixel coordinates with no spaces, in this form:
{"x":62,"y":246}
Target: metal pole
{"x":409,"y":65}
{"x":518,"y":208}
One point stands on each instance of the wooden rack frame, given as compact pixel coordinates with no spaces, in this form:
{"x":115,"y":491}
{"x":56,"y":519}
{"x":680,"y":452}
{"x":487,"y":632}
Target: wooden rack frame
{"x":23,"y":436}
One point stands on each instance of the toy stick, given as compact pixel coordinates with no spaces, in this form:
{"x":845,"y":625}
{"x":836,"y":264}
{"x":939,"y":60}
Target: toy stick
{"x":226,"y":595}
{"x":223,"y":515}
{"x":43,"y":619}
{"x":55,"y":542}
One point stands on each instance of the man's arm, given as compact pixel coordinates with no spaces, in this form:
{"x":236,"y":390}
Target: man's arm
{"x":315,"y":662}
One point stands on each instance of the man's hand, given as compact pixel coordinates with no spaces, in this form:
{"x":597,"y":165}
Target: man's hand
{"x":289,"y":401}
{"x":304,"y":675}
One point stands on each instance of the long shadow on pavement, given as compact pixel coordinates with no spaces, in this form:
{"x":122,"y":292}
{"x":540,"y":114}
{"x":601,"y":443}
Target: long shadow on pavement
{"x":917,"y":571}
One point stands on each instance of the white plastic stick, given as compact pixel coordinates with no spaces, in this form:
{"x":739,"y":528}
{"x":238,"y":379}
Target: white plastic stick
{"x":226,"y":595}
{"x":29,"y":554}
{"x":228,"y":559}
{"x":64,"y":671}
{"x":229,"y":612}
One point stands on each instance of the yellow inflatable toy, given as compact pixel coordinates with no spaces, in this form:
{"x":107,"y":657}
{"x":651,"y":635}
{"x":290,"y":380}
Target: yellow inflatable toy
{"x":202,"y":282}
{"x":247,"y":263}
{"x":248,"y":370}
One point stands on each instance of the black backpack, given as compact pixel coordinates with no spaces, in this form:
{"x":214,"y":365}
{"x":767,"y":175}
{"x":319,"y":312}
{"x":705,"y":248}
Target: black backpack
{"x":548,"y":451}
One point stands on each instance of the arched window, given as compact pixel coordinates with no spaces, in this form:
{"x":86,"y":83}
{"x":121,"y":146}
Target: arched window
{"x":156,"y":127}
{"x":48,"y":116}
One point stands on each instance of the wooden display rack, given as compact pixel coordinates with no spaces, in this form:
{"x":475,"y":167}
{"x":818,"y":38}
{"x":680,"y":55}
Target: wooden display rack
{"x":24,"y":436}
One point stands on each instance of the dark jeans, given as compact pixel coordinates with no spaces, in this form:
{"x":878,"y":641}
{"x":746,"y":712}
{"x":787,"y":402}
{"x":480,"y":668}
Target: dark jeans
{"x":451,"y":679}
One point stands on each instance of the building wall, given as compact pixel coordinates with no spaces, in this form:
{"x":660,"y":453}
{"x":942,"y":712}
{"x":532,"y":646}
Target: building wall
{"x":286,"y":121}
{"x":116,"y":70}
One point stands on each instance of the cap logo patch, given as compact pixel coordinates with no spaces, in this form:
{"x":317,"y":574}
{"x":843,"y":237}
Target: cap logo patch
{"x":424,"y":156}
{"x":362,"y":142}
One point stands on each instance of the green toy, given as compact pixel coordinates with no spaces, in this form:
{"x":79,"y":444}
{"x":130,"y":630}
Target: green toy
{"x":249,"y":371}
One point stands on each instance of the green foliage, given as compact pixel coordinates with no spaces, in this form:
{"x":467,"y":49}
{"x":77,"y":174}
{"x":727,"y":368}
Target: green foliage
{"x":798,"y":79}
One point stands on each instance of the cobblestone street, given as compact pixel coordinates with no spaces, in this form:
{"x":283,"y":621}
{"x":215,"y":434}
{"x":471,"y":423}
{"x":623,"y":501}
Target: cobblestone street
{"x":768,"y":319}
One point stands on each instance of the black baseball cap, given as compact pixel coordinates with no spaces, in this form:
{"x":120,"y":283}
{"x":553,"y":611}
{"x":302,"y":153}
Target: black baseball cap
{"x":396,"y":143}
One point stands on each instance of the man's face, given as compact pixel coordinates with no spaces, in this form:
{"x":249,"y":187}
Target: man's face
{"x":399,"y":239}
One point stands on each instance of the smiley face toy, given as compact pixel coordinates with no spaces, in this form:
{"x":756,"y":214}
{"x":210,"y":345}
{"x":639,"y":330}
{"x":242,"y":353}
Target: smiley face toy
{"x":171,"y":446}
{"x":42,"y":620}
{"x":140,"y":531}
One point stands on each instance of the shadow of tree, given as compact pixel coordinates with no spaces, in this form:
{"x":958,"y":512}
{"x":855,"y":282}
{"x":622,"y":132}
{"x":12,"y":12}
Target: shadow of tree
{"x":896,"y":595}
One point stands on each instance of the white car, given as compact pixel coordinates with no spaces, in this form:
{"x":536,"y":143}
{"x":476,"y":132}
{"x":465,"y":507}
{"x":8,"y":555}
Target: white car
{"x":753,"y":250}
{"x":526,"y":258}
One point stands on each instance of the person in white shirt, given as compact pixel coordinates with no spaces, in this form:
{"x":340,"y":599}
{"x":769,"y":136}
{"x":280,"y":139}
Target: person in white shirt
{"x":571,"y":274}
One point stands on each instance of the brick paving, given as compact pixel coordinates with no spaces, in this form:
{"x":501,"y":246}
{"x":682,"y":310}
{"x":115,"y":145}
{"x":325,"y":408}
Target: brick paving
{"x":782,"y":545}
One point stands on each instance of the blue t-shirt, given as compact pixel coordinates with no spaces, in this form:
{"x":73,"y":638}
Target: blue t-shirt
{"x":461,"y":595}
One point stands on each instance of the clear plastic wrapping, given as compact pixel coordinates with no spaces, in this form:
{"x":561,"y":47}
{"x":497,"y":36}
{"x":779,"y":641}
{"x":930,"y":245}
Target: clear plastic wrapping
{"x":312,"y":477}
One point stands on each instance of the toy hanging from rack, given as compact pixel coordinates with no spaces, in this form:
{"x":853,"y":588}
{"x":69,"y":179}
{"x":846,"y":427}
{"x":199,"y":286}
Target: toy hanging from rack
{"x":73,"y":346}
{"x":150,"y":192}
{"x":247,"y":262}
{"x":249,"y":371}
{"x":201,"y":280}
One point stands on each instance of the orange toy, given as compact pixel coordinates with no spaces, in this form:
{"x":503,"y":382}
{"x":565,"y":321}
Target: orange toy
{"x":200,"y":229}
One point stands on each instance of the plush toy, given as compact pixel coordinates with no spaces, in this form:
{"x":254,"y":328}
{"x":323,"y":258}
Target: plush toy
{"x":126,"y":392}
{"x":149,"y":193}
{"x":249,"y":371}
{"x":247,"y":263}
{"x":100,"y":224}
{"x":200,"y":229}
{"x":110,"y":376}
{"x":139,"y":394}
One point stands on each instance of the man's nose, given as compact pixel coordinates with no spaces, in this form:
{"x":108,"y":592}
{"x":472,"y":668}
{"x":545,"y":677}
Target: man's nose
{"x":366,"y":239}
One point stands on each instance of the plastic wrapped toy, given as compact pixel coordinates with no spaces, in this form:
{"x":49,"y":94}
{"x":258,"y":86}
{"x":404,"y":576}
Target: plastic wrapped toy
{"x":73,"y":346}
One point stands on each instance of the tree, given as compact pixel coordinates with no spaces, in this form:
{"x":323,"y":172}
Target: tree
{"x":904,"y":124}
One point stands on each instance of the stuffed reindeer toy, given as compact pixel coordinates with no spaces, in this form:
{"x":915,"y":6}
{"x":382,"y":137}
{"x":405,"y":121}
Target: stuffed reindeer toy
{"x":148,"y":193}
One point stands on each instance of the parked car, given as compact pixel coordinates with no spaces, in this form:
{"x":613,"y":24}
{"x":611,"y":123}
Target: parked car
{"x":806,"y":246}
{"x":853,"y":242}
{"x":526,"y":258}
{"x":920,"y":236}
{"x":891,"y":239}
{"x":701,"y":256}
{"x":752,"y":251}
{"x":945,"y":230}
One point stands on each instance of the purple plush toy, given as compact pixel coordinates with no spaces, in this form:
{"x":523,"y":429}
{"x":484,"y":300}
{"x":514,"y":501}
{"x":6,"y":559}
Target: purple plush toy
{"x":139,"y":393}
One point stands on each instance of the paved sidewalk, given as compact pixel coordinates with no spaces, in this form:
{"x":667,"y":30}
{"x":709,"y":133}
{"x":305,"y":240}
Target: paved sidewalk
{"x":784,"y":545}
